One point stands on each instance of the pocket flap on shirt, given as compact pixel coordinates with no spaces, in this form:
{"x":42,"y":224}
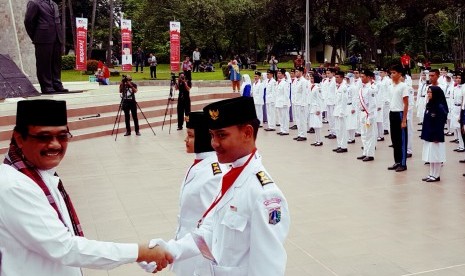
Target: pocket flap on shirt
{"x":234,"y":221}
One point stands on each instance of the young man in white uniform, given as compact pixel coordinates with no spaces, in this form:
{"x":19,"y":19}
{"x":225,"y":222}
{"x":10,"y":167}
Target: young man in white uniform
{"x":340,"y":113}
{"x":270,"y":86}
{"x":282,"y":102}
{"x":257,"y":94}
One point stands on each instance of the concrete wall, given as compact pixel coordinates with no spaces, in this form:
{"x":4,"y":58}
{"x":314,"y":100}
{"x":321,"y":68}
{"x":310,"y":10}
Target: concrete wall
{"x":14,"y":40}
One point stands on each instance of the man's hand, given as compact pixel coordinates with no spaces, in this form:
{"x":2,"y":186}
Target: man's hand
{"x":403,"y":124}
{"x":156,"y":254}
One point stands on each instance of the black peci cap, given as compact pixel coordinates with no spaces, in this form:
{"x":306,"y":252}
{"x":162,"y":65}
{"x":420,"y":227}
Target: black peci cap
{"x":41,"y":113}
{"x":198,"y":121}
{"x":230,"y":112}
{"x":368,"y":73}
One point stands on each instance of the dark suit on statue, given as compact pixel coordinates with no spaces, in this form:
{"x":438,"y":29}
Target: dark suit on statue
{"x":43,"y":25}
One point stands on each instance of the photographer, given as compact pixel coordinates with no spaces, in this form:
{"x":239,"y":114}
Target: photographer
{"x":128,"y":89}
{"x":184,"y":100}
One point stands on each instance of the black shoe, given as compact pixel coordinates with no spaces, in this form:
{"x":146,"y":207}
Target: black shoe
{"x":351,"y":142}
{"x":332,"y":136}
{"x":420,"y":124}
{"x":311,"y":130}
{"x":327,"y":136}
{"x":449,"y":133}
{"x":426,"y":163}
{"x":279,"y":133}
{"x":319,"y":144}
{"x":391,"y":146}
{"x":361,"y":157}
{"x":127,"y":134}
{"x":293,"y":127}
{"x":368,"y":158}
{"x":301,"y":139}
{"x":336,"y":149}
{"x":386,"y":132}
{"x":260,"y":126}
{"x":393,"y":167}
{"x":48,"y":91}
{"x":278,"y":125}
{"x":179,"y":128}
{"x":401,"y":169}
{"x":462,"y":161}
{"x":295,"y":138}
{"x":454,"y":141}
{"x":138,"y":133}
{"x":325,"y":122}
{"x":341,"y":150}
{"x":61,"y":89}
{"x":409,"y":155}
{"x":433,"y":179}
{"x":358,"y":134}
{"x":270,"y":129}
{"x":426,"y":178}
{"x":284,"y":133}
{"x":380,"y":139}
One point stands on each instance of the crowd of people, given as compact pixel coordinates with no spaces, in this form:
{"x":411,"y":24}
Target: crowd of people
{"x":366,"y":104}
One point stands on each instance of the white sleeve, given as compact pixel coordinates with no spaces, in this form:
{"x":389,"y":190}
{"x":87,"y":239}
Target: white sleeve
{"x":27,"y":213}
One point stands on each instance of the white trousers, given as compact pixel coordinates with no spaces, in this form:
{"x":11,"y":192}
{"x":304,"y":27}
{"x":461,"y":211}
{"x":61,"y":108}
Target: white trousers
{"x":368,"y":135}
{"x":341,"y":132}
{"x":259,"y":111}
{"x":302,"y":122}
{"x":330,"y":118}
{"x":271,"y":115}
{"x":386,"y":123}
{"x":283,"y":119}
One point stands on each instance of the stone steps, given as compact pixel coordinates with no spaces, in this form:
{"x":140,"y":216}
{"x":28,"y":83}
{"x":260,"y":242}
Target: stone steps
{"x":93,"y":114}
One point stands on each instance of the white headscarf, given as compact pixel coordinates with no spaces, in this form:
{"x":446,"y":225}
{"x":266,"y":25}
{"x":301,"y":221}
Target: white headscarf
{"x":288,"y":77}
{"x":245,"y":81}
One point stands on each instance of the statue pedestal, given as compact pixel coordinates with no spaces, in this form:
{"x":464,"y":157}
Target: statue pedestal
{"x":14,"y":39}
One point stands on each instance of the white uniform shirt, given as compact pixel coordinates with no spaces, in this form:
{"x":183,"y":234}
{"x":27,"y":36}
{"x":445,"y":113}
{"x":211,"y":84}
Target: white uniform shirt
{"x":331,"y":91}
{"x":398,"y":92}
{"x":247,"y":229}
{"x":34,"y":241}
{"x":301,"y":91}
{"x":367,"y":101}
{"x":282,"y":93}
{"x":201,"y":185}
{"x":316,"y":99}
{"x":341,"y":100}
{"x":257,"y":92}
{"x":270,"y":93}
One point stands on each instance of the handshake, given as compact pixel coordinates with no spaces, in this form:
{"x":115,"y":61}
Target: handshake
{"x":156,"y":257}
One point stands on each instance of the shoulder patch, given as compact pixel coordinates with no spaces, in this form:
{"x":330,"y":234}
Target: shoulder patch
{"x":263,"y":178}
{"x":216,"y":168}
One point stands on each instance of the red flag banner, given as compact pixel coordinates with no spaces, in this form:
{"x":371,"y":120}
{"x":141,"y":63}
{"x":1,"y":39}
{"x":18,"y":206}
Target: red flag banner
{"x":126,"y":43}
{"x":175,"y":45}
{"x":81,"y":44}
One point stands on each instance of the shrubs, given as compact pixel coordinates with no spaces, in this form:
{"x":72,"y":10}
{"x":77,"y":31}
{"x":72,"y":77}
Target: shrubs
{"x":225,"y":70}
{"x":68,"y":62}
{"x":92,"y":65}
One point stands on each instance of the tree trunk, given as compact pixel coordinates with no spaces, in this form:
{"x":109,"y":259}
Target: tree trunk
{"x":110,"y":35}
{"x":73,"y":22}
{"x":63,"y":25}
{"x":91,"y":42}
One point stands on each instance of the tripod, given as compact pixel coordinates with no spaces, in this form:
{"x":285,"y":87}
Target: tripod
{"x":120,"y":110}
{"x":169,"y":103}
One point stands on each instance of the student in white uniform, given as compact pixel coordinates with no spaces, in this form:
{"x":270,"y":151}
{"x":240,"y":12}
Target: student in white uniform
{"x":423,"y":84}
{"x":244,"y":230}
{"x":330,"y":101}
{"x":270,"y":86}
{"x":367,"y":104}
{"x":40,"y":233}
{"x":257,"y":94}
{"x":448,"y":87}
{"x":383,"y":88}
{"x":282,"y":102}
{"x":352,"y":106}
{"x":315,"y":107}
{"x":301,"y":102}
{"x":340,"y":113}
{"x":455,"y":108}
{"x":199,"y":188}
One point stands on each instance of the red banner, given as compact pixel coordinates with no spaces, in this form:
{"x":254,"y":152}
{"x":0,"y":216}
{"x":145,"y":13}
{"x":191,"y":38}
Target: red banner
{"x":81,"y":44}
{"x":126,"y":43}
{"x":175,"y":46}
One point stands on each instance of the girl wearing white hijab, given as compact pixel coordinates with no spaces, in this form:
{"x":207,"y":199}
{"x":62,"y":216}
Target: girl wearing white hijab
{"x":246,"y":86}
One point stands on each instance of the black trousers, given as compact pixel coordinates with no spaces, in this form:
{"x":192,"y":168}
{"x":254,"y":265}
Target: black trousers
{"x":130,"y":105}
{"x":184,"y":108}
{"x":398,"y":138}
{"x":153,"y":72}
{"x":141,"y":64}
{"x":196,"y":66}
{"x":188,"y":75}
{"x":48,"y":64}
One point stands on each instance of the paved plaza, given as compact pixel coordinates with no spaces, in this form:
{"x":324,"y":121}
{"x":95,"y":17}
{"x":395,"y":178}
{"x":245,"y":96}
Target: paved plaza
{"x":348,"y":217}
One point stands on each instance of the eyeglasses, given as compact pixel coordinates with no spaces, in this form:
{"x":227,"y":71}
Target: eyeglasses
{"x":47,"y":138}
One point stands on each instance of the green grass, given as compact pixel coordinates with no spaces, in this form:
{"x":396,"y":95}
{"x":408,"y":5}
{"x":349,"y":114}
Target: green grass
{"x":163,"y":72}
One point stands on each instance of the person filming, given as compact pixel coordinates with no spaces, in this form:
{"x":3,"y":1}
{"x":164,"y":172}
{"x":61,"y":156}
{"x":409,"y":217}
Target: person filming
{"x":128,"y":89}
{"x":184,"y":100}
